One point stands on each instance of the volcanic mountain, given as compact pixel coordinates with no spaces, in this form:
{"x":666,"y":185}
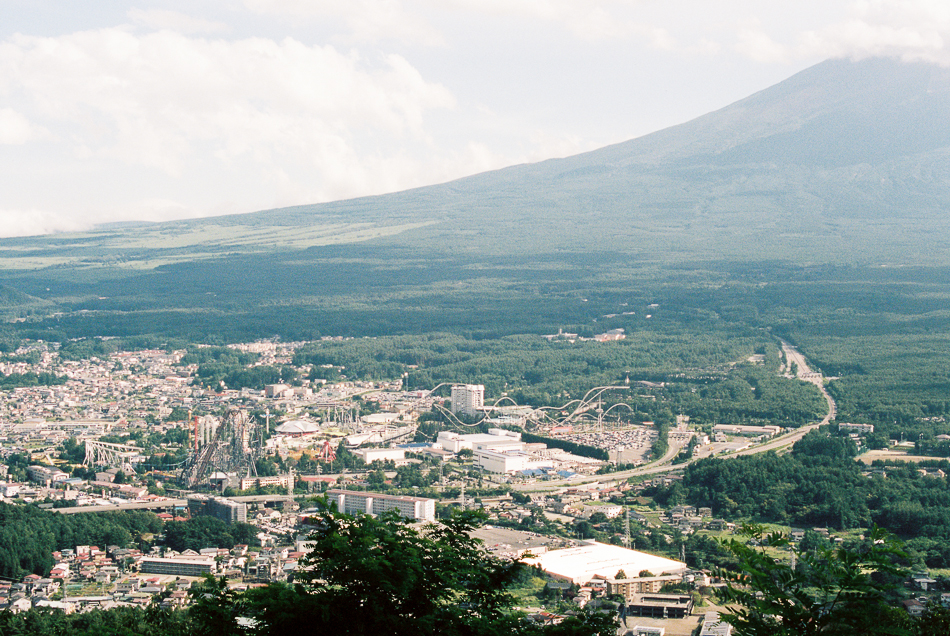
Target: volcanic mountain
{"x":846,"y":163}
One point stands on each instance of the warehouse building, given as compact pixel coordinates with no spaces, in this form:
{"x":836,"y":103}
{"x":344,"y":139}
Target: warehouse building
{"x":593,"y":559}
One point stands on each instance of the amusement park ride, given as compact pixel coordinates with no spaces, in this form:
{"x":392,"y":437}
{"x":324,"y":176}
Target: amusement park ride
{"x":227,"y":448}
{"x":576,"y":414}
{"x":233,"y":444}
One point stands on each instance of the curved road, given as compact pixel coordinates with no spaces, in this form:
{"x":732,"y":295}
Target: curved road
{"x":803,"y":373}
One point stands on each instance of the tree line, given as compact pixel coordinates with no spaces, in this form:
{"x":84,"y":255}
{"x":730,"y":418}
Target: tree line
{"x":819,"y":484}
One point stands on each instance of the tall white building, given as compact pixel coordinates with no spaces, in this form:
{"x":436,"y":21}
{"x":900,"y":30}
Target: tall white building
{"x":468,"y":398}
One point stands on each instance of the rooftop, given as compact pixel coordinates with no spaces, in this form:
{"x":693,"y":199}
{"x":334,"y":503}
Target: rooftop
{"x":583,"y":563}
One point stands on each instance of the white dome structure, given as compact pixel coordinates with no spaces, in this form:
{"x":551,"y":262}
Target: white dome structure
{"x":295,"y":428}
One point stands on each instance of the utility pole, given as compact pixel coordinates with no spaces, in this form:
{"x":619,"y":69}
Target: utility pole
{"x":626,"y":527}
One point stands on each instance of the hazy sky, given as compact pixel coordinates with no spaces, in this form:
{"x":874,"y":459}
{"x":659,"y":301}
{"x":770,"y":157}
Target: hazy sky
{"x":118,"y":110}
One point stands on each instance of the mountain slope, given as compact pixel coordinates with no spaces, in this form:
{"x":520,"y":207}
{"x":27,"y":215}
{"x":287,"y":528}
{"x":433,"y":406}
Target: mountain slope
{"x":845,"y":163}
{"x":849,"y":157}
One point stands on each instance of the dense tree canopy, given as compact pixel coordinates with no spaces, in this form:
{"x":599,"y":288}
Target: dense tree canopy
{"x":820,"y":484}
{"x":823,"y":591}
{"x":208,"y":532}
{"x":28,"y":535}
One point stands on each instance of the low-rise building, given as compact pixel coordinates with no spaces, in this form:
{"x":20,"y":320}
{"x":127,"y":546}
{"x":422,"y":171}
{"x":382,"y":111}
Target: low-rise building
{"x":630,"y":588}
{"x":660,"y":605}
{"x":283,"y":481}
{"x":850,"y":427}
{"x":45,"y":474}
{"x":713,"y":625}
{"x":370,"y":455}
{"x":178,"y":566}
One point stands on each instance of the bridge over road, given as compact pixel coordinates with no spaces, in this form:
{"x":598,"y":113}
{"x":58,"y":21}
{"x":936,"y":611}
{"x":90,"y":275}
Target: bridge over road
{"x":164,"y":504}
{"x":132,"y":505}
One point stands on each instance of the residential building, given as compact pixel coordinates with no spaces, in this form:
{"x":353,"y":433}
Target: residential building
{"x":629,"y":588}
{"x":218,"y":507}
{"x":849,"y":427}
{"x":195,"y":566}
{"x":468,"y":399}
{"x":352,"y":502}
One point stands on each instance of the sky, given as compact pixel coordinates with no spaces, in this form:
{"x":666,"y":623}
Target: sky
{"x":147,"y":111}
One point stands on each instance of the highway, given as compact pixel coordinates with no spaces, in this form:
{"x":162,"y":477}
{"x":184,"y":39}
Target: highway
{"x":662,"y":465}
{"x":132,"y":505}
{"x":163,"y":503}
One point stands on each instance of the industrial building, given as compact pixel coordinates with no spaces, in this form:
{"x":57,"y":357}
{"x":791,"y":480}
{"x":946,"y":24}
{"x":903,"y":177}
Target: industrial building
{"x":593,"y":559}
{"x":498,"y":451}
{"x":371,"y":503}
{"x":505,"y":462}
{"x":747,"y":431}
{"x":370,"y":455}
{"x":497,"y":439}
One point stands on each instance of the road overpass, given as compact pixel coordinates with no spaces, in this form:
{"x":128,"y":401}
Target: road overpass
{"x":165,"y":504}
{"x":131,"y":505}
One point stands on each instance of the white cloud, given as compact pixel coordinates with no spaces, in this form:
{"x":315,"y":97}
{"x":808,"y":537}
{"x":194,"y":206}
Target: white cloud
{"x":757,"y":45}
{"x":32,"y":222}
{"x":590,"y":20}
{"x":15,"y":129}
{"x":911,"y":29}
{"x":164,"y":99}
{"x":367,"y":20}
{"x":374,"y":20}
{"x":704,"y":46}
{"x":174,"y":21}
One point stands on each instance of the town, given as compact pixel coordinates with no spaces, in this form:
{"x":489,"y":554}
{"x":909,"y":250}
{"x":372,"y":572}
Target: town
{"x":139,"y":431}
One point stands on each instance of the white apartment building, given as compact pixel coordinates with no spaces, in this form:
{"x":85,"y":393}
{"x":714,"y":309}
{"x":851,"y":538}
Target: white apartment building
{"x":468,"y":399}
{"x":849,"y":427}
{"x":372,"y":503}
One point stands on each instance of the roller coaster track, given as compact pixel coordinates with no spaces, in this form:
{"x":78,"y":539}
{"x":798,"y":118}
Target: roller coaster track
{"x":108,"y":454}
{"x":203,"y":461}
{"x":228,"y":450}
{"x":583,"y":405}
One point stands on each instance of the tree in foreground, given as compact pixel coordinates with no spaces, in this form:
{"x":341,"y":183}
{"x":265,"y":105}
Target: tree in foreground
{"x":826,"y":591}
{"x":380,"y":576}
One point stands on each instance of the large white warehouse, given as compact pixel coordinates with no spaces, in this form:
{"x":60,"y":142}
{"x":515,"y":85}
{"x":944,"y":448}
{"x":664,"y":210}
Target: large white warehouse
{"x":579,"y":565}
